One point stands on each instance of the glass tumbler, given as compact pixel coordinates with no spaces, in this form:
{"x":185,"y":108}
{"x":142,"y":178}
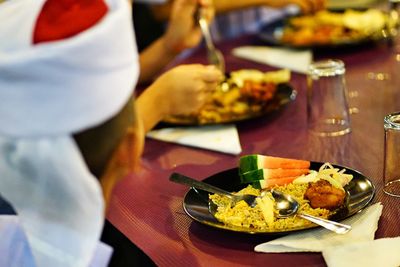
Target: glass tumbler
{"x":391,"y":162}
{"x":327,"y":107}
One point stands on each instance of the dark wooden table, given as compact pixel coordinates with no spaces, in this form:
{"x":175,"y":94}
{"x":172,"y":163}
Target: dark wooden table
{"x":147,"y":208}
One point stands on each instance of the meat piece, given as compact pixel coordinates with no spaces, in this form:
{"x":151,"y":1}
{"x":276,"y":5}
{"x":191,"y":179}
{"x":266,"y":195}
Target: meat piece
{"x":258,"y":91}
{"x":322,"y":194}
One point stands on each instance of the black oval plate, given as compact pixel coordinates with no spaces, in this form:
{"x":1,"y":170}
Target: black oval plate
{"x":271,"y":32}
{"x":196,"y":204}
{"x":283,"y":96}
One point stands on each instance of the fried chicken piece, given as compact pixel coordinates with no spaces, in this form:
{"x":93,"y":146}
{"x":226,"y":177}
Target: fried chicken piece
{"x":258,"y":91}
{"x":322,"y":194}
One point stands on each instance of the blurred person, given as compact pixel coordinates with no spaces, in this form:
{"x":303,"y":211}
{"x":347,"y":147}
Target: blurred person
{"x":68,"y":119}
{"x":182,"y":33}
{"x":182,"y":89}
{"x":248,"y":17}
{"x":54,"y":75}
{"x":233,"y":18}
{"x":162,"y":8}
{"x":147,"y":27}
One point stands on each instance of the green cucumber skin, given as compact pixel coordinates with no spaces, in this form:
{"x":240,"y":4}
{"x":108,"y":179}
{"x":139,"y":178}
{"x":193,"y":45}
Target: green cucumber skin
{"x":249,"y":163}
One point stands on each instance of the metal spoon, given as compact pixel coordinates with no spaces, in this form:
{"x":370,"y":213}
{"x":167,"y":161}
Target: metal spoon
{"x":214,"y":56}
{"x":182,"y":179}
{"x":288,"y":206}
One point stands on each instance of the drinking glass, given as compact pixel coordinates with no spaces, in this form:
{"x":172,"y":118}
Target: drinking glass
{"x":327,"y":107}
{"x":391,"y":162}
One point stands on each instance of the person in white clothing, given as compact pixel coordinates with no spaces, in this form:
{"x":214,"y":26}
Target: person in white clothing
{"x":64,"y":79}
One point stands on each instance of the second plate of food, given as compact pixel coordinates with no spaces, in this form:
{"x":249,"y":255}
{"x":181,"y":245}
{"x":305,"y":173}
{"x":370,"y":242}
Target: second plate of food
{"x":329,"y":29}
{"x":244,"y":95}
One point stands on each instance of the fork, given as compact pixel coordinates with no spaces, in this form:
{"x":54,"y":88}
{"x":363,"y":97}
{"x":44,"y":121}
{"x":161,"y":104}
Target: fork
{"x":182,"y":179}
{"x":214,"y":55}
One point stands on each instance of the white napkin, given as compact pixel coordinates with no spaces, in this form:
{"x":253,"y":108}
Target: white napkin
{"x":382,"y":252}
{"x":363,"y":229}
{"x":295,"y":60}
{"x":222,"y":138}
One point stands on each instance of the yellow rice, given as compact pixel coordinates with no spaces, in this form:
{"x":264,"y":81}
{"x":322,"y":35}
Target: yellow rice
{"x":241,"y":215}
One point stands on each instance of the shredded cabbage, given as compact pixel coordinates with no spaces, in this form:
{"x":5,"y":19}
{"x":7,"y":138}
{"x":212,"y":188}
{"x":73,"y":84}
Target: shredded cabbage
{"x":336,"y":177}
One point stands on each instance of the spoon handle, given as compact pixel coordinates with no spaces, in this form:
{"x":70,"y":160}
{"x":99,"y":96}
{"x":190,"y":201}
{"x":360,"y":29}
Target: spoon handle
{"x":182,"y":179}
{"x":336,"y":227}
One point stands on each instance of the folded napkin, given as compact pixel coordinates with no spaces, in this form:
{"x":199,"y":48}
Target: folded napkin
{"x":222,"y":138}
{"x":356,"y":248}
{"x":295,"y":60}
{"x":380,"y":252}
{"x":364,"y":225}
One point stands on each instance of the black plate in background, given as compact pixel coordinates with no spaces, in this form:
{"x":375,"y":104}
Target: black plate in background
{"x":271,"y":32}
{"x":283,"y":96}
{"x":360,"y":191}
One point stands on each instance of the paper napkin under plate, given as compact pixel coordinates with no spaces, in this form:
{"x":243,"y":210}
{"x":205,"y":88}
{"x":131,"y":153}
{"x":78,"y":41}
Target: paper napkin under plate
{"x":382,"y":252}
{"x":357,"y":248}
{"x":221,"y":138}
{"x":364,"y":225}
{"x":295,"y":60}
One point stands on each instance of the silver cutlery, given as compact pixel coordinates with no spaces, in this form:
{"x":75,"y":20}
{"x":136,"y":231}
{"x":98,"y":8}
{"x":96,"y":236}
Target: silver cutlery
{"x":214,"y":56}
{"x":287,"y":206}
{"x":182,"y":179}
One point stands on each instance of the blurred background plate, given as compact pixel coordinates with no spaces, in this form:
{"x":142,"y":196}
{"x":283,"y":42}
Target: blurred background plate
{"x":271,"y":33}
{"x":342,"y":4}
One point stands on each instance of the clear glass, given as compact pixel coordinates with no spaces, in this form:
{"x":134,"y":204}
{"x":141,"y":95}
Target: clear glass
{"x":327,"y":106}
{"x":391,"y":163}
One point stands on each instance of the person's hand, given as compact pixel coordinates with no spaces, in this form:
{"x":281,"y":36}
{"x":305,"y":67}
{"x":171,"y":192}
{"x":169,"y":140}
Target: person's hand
{"x":185,"y":88}
{"x":306,"y":6}
{"x":181,"y":90}
{"x":183,"y":31}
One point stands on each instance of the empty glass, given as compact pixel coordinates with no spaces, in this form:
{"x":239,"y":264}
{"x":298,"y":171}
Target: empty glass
{"x":327,"y":108}
{"x":391,"y":169}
